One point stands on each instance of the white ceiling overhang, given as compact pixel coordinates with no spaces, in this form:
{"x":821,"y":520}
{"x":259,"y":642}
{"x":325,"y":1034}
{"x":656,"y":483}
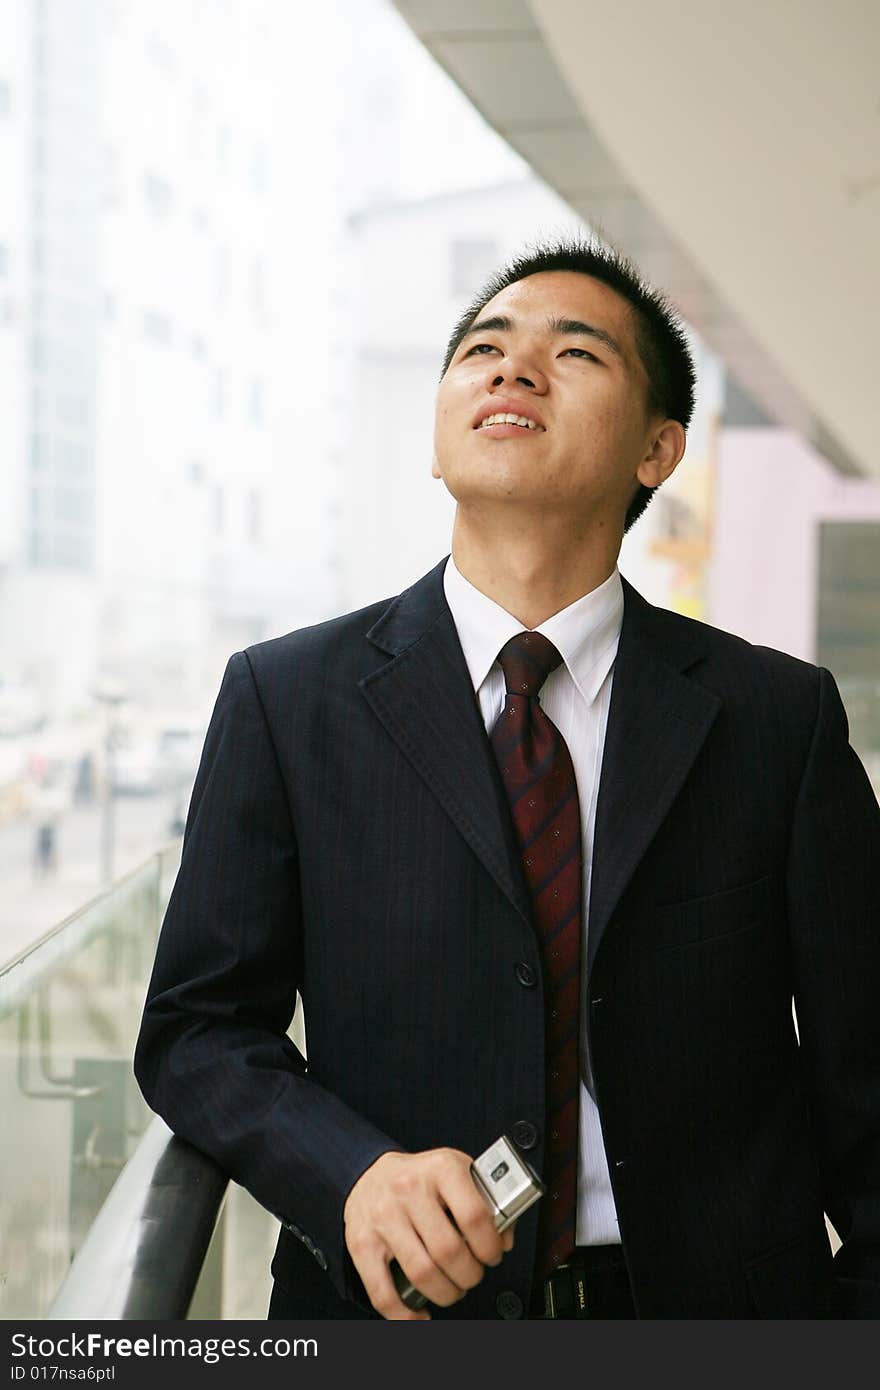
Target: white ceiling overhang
{"x":733,"y":151}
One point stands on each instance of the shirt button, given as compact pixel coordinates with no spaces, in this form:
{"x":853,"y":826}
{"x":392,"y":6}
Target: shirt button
{"x":525,"y":974}
{"x":509,"y":1305}
{"x":524,"y":1134}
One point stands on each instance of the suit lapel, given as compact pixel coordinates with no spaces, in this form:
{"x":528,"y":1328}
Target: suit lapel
{"x":424,"y":698}
{"x":657,"y":723}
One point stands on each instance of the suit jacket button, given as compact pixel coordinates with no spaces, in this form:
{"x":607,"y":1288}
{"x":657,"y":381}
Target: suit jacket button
{"x":509,"y":1305}
{"x":525,"y":974}
{"x":524,"y":1134}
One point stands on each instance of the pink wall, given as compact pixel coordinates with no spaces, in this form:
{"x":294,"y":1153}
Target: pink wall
{"x":772,"y":491}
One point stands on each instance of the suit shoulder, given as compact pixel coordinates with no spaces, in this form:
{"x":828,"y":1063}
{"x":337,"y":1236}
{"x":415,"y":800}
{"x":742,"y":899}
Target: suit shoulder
{"x":744,"y":674}
{"x":718,"y":639}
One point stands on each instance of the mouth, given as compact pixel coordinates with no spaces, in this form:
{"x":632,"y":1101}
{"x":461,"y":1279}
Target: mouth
{"x":507,"y":425}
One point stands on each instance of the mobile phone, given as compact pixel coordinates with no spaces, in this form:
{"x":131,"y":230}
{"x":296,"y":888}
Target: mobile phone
{"x":509,"y":1185}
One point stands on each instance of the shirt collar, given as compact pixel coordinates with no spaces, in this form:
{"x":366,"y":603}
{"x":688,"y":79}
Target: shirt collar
{"x":585,"y":633}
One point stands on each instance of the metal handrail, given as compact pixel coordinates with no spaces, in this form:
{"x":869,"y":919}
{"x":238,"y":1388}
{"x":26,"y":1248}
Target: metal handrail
{"x":20,"y":974}
{"x":144,"y":1252}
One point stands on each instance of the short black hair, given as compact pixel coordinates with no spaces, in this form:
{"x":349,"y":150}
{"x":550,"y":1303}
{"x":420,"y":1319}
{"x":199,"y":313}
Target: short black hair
{"x":660,"y":338}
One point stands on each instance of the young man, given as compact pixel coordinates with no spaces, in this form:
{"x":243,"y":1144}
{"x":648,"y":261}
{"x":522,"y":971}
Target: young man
{"x":540,"y":859}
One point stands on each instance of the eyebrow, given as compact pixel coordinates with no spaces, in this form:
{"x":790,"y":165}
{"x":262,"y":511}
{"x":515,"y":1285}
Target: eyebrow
{"x":500,"y":323}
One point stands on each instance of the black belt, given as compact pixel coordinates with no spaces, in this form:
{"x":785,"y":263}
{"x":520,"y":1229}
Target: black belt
{"x":593,"y":1283}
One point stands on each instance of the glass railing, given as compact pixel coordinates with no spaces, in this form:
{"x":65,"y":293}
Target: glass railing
{"x":154,"y":1252}
{"x":72,"y":1113}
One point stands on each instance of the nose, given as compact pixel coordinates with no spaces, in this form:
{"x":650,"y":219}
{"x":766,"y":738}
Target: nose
{"x":516,"y":367}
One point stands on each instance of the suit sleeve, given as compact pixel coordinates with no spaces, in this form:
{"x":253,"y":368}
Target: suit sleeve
{"x":834,"y":914}
{"x":213,"y":1057}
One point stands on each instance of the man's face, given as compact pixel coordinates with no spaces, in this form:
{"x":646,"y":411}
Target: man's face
{"x":557,"y":348}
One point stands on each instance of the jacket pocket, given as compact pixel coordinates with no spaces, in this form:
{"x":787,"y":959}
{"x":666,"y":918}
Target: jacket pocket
{"x":793,"y":1279}
{"x":709,"y":918}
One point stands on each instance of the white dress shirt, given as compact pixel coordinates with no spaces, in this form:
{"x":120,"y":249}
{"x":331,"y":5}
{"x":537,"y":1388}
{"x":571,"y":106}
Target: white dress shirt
{"x":576,"y":698}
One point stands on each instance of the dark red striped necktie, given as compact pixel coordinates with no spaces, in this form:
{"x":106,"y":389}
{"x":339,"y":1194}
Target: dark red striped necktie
{"x":539,"y":778}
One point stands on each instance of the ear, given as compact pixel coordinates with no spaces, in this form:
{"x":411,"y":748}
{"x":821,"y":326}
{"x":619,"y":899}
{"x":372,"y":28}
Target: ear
{"x":666,"y":446}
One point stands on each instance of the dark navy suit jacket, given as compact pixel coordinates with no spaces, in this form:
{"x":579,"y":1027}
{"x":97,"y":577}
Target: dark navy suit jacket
{"x":348,"y":838}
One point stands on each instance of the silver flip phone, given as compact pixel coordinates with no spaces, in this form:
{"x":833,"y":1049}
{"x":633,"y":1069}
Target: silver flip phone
{"x":509,"y":1185}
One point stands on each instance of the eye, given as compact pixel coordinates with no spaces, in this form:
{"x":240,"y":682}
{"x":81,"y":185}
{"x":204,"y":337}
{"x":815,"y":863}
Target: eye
{"x":480,"y":348}
{"x":583,"y":352}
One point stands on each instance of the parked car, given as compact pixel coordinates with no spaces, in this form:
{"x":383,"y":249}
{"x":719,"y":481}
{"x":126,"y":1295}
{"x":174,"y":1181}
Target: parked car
{"x":161,"y":755}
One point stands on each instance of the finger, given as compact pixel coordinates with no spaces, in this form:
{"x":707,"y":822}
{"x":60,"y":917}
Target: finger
{"x":371,"y":1261}
{"x":471,"y":1215}
{"x":422,"y":1270}
{"x":448,"y":1248}
{"x":507,"y":1237}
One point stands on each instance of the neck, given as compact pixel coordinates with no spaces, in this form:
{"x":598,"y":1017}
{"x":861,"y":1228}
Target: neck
{"x":534,"y":570}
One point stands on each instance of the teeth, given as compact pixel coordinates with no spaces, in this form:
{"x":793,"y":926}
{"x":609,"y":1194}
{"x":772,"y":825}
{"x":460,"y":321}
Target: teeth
{"x":509,"y":420}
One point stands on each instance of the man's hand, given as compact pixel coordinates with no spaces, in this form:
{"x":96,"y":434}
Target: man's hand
{"x":425,"y":1211}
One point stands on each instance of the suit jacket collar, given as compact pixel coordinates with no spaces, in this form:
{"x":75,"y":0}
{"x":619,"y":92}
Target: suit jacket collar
{"x":657,"y":722}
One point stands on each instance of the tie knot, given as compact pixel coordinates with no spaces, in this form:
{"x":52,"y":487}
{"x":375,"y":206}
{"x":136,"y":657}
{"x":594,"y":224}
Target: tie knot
{"x":527,"y":660}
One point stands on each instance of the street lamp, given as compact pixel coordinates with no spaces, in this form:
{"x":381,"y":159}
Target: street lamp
{"x":110,"y":694}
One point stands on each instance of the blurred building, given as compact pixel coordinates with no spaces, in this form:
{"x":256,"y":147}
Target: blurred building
{"x":154,"y":437}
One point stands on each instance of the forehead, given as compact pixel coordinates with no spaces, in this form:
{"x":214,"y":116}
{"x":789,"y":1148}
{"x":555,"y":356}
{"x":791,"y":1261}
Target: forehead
{"x":565,"y":294}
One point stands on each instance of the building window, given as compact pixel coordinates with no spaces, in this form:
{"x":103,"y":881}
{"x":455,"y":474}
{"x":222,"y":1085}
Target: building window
{"x":112,"y":176}
{"x":848,"y":628}
{"x":69,"y":548}
{"x":71,"y":410}
{"x":254,"y":517}
{"x":157,"y":327}
{"x":159,"y":54}
{"x":69,"y":505}
{"x":158,"y":194}
{"x":39,"y":497}
{"x":221,"y":274}
{"x":259,"y":166}
{"x":70,"y":460}
{"x":256,"y":401}
{"x":472,"y":262}
{"x":218,"y":508}
{"x":258,"y":286}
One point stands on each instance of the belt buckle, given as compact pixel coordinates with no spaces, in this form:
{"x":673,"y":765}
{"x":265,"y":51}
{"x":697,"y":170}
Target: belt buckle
{"x":565,"y":1292}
